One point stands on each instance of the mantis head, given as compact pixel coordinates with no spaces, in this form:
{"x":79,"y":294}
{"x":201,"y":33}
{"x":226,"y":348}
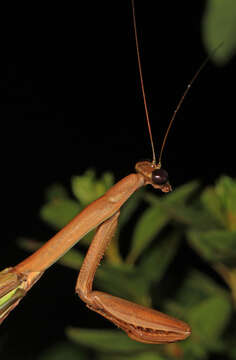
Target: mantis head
{"x":153,"y":174}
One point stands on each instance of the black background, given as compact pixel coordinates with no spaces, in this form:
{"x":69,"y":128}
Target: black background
{"x":70,"y":100}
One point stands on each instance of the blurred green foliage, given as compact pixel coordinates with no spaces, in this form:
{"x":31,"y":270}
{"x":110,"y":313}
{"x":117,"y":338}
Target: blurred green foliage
{"x":219,"y":27}
{"x":185,"y":224}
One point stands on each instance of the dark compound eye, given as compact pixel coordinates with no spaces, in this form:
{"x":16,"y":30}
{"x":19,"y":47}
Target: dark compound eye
{"x":159,"y":176}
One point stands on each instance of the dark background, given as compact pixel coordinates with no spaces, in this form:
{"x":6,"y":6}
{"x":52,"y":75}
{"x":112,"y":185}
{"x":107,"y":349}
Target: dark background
{"x":70,"y":100}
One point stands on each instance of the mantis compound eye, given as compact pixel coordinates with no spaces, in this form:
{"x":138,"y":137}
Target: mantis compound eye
{"x":159,"y":176}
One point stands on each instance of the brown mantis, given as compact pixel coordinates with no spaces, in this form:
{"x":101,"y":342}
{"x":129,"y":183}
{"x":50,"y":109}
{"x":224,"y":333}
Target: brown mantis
{"x":140,"y":323}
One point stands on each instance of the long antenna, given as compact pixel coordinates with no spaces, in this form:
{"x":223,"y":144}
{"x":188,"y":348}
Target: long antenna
{"x":142,"y":84}
{"x":183,"y":97}
{"x":180,"y":103}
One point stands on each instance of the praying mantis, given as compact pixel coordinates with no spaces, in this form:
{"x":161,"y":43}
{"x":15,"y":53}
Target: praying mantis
{"x":140,"y":323}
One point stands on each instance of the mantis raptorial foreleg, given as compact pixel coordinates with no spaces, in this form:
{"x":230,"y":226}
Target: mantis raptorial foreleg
{"x":140,"y":323}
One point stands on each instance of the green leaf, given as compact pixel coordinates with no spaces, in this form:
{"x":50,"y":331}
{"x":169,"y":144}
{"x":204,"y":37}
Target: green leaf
{"x":59,"y":212}
{"x":182,"y":193}
{"x":149,"y":225}
{"x":194,"y":349}
{"x":177,"y":197}
{"x":123,"y":281}
{"x":209,"y":319}
{"x":73,"y":259}
{"x":157,"y":260}
{"x":174,"y":205}
{"x":87,"y":188}
{"x":206,"y":307}
{"x":196,"y":288}
{"x":213,"y":204}
{"x":215,"y":246}
{"x":56,"y":191}
{"x":220,"y":201}
{"x":145,"y":355}
{"x":111,"y":341}
{"x":130,"y":206}
{"x":226,"y":191}
{"x":219,"y":26}
{"x":191,"y":216}
{"x":232,"y":351}
{"x":229,"y":275}
{"x":63,"y":351}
